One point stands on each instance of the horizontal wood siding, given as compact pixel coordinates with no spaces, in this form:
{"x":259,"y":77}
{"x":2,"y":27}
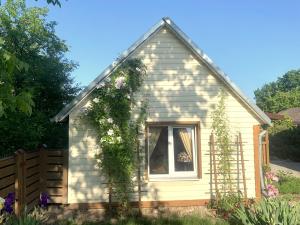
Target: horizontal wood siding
{"x":178,"y":87}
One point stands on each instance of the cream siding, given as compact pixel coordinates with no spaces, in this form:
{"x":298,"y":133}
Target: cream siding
{"x":177,"y":87}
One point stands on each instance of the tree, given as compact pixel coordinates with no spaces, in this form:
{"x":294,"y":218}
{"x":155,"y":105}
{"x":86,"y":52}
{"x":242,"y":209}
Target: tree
{"x":281,"y":94}
{"x":45,"y":77}
{"x":10,"y":100}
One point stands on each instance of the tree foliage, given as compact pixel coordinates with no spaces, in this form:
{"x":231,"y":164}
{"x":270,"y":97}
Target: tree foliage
{"x":10,"y":99}
{"x":281,"y":94}
{"x":285,"y":139}
{"x":39,"y":74}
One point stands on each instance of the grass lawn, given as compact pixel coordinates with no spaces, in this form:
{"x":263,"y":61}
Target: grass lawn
{"x":185,"y":220}
{"x":289,"y":185}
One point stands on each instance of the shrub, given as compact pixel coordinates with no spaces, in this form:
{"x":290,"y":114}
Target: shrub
{"x":269,"y":211}
{"x":285,"y":139}
{"x":226,"y":204}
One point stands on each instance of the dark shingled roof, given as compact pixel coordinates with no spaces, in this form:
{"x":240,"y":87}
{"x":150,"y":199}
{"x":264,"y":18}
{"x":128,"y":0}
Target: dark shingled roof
{"x":274,"y":116}
{"x":294,"y":113}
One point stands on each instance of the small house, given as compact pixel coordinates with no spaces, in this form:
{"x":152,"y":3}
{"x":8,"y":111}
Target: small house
{"x":182,"y":86}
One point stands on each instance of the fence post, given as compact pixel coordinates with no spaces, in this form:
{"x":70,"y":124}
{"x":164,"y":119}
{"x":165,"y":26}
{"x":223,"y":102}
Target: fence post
{"x":65,"y":175}
{"x":43,"y":169}
{"x":20,"y":182}
{"x":267,"y":149}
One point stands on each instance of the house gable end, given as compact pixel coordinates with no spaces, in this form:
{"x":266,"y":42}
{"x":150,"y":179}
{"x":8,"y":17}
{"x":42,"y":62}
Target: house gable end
{"x":191,"y":46}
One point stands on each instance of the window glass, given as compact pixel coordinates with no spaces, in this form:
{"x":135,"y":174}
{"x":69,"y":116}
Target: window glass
{"x":183,"y":149}
{"x":158,"y":150}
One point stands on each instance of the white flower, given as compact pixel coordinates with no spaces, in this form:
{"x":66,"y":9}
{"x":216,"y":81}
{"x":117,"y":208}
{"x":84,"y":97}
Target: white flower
{"x":120,"y":82}
{"x":101,"y":85}
{"x":138,"y":69}
{"x":96,"y":100}
{"x":119,"y":139}
{"x":110,"y":120}
{"x":128,"y":96}
{"x":1,"y":82}
{"x":110,"y":132}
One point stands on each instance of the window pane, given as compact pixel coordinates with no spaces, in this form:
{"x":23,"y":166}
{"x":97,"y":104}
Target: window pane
{"x":158,"y":150}
{"x":183,"y":149}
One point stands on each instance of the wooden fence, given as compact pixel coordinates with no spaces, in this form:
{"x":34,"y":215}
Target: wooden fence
{"x":27,"y":174}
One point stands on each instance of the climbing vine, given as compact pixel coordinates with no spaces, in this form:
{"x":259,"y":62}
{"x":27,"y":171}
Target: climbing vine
{"x":111,"y":113}
{"x":222,"y":132}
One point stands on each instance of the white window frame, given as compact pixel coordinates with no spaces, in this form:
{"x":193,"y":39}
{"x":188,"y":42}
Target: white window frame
{"x":172,"y":173}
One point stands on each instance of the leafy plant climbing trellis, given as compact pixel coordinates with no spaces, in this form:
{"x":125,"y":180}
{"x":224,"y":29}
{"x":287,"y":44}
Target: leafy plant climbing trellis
{"x":221,"y":130}
{"x":111,"y":113}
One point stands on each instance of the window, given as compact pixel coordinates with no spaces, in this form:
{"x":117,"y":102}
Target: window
{"x":172,"y":151}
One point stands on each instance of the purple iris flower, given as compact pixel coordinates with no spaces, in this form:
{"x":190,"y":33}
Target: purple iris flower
{"x":9,"y":202}
{"x":44,"y":199}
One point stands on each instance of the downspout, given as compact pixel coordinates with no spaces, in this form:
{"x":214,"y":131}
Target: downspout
{"x":262,"y":182}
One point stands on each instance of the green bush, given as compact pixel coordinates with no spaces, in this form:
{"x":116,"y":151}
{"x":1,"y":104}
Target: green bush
{"x":270,"y":211}
{"x":288,"y":184}
{"x":226,"y":204}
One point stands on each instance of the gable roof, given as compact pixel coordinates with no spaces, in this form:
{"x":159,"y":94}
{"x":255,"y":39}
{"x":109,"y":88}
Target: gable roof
{"x":164,"y":22}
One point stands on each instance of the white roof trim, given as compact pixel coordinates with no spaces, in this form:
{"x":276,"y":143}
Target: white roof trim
{"x":190,"y":44}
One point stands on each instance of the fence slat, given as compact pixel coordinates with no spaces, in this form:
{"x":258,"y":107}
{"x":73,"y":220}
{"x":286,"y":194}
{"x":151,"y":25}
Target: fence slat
{"x":32,"y":196}
{"x":55,"y":191}
{"x":7,"y":161}
{"x":30,"y":155}
{"x":32,"y":171}
{"x":32,"y":162}
{"x":33,"y":179}
{"x":33,"y":187}
{"x":7,"y":181}
{"x":55,"y":168}
{"x":54,"y":175}
{"x":6,"y":190}
{"x":55,"y":152}
{"x":7,"y":171}
{"x":54,"y":183}
{"x":56,"y":199}
{"x":55,"y":160}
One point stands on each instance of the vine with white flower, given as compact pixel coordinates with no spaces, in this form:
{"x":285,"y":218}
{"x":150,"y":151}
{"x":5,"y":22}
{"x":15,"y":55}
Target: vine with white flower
{"x":111,"y":114}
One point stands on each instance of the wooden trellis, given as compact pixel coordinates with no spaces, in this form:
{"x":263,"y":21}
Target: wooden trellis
{"x":238,"y":160}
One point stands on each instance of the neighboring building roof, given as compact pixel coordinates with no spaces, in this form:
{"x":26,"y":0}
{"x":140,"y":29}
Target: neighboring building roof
{"x":294,"y":113}
{"x":274,"y":116}
{"x":164,"y":22}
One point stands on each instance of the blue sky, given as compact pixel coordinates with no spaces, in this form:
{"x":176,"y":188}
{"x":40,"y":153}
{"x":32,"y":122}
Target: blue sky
{"x":253,"y":42}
